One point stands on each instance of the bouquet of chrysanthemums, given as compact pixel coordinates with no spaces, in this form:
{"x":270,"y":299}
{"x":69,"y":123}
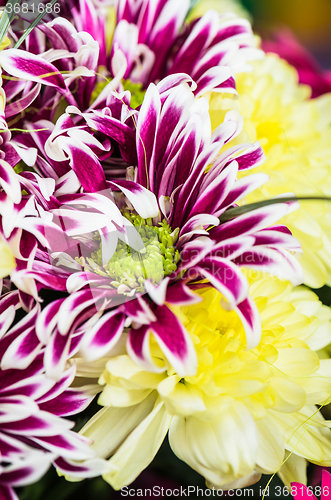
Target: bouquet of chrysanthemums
{"x":165,"y":209}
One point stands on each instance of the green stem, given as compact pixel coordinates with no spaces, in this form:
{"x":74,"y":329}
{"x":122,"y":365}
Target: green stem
{"x":235,"y":212}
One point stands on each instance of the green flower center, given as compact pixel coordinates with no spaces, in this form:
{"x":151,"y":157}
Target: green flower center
{"x":136,"y":90}
{"x":129,"y":268}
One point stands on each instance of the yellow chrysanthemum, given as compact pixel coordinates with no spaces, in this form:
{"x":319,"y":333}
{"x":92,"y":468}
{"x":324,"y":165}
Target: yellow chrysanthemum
{"x":7,"y":260}
{"x":242,"y":411}
{"x":295,"y":134}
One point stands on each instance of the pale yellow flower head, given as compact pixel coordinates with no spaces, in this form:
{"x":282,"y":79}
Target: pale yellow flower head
{"x":7,"y":260}
{"x":242,"y":411}
{"x":295,"y":134}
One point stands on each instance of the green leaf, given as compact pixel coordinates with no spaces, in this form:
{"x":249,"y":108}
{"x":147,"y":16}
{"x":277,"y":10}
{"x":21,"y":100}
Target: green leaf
{"x":7,"y":17}
{"x":34,"y":24}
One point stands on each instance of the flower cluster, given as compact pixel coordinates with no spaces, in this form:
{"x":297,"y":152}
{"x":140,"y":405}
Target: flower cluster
{"x":134,"y":136}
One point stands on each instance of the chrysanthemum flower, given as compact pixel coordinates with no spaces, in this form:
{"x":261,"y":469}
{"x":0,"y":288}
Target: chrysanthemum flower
{"x":32,"y":433}
{"x":131,"y":45}
{"x":152,"y":40}
{"x":171,"y":210}
{"x":294,"y":132}
{"x":242,"y":410}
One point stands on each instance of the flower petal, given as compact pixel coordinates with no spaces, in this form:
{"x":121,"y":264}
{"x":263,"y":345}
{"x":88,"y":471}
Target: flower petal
{"x":139,"y":449}
{"x":103,"y":335}
{"x":31,"y":67}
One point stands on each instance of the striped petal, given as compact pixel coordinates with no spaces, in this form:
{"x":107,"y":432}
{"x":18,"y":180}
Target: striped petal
{"x":27,"y":471}
{"x":277,"y":262}
{"x":56,"y":355}
{"x":30,"y":67}
{"x":103,"y":335}
{"x":178,"y":348}
{"x":250,"y":317}
{"x":226,"y":277}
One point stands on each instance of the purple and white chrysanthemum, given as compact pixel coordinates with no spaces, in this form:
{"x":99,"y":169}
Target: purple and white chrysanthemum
{"x":128,"y":249}
{"x":70,"y":64}
{"x":32,"y":433}
{"x":150,"y":41}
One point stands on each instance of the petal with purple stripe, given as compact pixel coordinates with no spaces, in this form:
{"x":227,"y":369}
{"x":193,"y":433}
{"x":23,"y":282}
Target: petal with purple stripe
{"x":9,"y":181}
{"x":181,"y":295}
{"x":216,"y":79}
{"x":178,"y":348}
{"x":143,"y":200}
{"x":21,"y":473}
{"x":250,"y":222}
{"x":68,"y":403}
{"x":27,"y":66}
{"x":7,"y":493}
{"x":275,"y":261}
{"x":98,"y":341}
{"x":89,"y":468}
{"x":250,"y":317}
{"x":69,"y":445}
{"x":22,"y":351}
{"x":226,"y":277}
{"x":56,"y":355}
{"x":148,"y":120}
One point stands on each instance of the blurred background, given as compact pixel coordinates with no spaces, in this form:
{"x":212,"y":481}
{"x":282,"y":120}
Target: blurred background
{"x":310,"y":21}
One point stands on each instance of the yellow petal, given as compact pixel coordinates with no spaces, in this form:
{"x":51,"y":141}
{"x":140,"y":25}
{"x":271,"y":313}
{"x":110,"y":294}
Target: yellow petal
{"x":7,"y":260}
{"x":243,"y":482}
{"x":288,"y":396}
{"x":181,"y":398}
{"x":294,"y":470}
{"x":124,"y":367}
{"x":271,"y":450}
{"x":120,"y":396}
{"x":110,"y":426}
{"x":222,"y":450}
{"x":297,"y":362}
{"x":139,"y":449}
{"x":301,"y":435}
